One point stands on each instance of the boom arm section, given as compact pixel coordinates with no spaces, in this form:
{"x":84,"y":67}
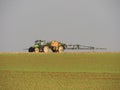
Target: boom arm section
{"x":82,"y":47}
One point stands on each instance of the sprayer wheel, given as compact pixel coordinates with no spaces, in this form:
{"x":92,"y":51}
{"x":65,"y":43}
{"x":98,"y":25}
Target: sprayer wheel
{"x":61,"y":49}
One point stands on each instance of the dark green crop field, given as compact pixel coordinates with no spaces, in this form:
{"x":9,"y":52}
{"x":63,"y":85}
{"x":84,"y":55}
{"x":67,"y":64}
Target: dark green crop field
{"x":64,"y":71}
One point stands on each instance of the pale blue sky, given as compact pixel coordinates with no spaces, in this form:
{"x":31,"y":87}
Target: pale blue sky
{"x":87,"y":22}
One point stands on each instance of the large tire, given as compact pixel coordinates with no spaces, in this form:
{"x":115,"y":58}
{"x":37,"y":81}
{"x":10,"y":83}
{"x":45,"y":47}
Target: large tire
{"x":46,"y":49}
{"x":31,"y":49}
{"x":37,"y":50}
{"x":61,"y":49}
